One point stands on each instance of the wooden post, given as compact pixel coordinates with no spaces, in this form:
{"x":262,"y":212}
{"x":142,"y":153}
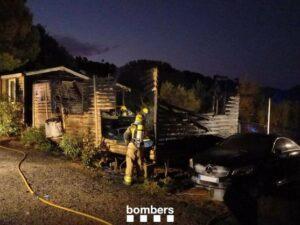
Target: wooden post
{"x":155,"y":90}
{"x":33,"y":105}
{"x":46,"y":98}
{"x":123,"y":97}
{"x":62,"y":108}
{"x":22,"y":86}
{"x":95,"y":112}
{"x":217,"y":106}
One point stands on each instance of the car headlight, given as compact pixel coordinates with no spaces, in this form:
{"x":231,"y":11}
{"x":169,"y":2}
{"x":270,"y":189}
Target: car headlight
{"x":212,"y":170}
{"x":243,"y":171}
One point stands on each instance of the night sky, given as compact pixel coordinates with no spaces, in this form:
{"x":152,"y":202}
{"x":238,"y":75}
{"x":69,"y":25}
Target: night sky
{"x":259,"y":40}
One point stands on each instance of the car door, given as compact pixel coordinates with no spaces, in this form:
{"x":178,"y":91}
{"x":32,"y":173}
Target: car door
{"x":288,"y":169}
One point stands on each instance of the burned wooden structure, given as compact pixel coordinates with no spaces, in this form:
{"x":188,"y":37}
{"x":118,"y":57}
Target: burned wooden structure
{"x":175,"y":123}
{"x":179,"y":132}
{"x":89,"y":104}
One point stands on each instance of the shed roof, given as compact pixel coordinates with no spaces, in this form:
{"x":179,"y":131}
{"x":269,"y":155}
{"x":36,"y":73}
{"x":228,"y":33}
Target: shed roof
{"x":55,"y":69}
{"x":47,"y":70}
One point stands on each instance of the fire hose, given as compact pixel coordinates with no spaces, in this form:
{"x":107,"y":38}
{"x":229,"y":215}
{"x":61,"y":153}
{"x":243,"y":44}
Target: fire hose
{"x":26,"y":183}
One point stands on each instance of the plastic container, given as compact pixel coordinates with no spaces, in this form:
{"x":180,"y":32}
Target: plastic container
{"x":53,"y":128}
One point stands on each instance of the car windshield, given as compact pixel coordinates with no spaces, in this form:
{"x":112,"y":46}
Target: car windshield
{"x":249,"y":143}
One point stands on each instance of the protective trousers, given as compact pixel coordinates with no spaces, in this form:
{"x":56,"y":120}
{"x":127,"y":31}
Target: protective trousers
{"x":134,"y":157}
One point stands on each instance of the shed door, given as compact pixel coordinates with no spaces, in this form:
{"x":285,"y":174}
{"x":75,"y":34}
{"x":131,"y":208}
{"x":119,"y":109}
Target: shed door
{"x":41,"y":100}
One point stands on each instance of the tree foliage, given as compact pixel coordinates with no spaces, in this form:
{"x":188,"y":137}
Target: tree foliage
{"x":180,"y":97}
{"x":51,"y":52}
{"x":205,"y":93}
{"x":18,"y":38}
{"x":135,"y":72}
{"x":95,"y":68}
{"x":135,"y":75}
{"x":248,"y":92}
{"x":285,"y":107}
{"x":284,"y":115}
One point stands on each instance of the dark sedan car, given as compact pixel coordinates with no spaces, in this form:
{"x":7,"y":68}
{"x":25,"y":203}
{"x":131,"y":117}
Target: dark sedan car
{"x":269,"y":160}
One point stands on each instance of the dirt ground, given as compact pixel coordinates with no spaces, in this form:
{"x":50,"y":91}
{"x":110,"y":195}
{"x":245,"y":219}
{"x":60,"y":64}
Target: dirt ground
{"x":69,"y":184}
{"x":102,"y":193}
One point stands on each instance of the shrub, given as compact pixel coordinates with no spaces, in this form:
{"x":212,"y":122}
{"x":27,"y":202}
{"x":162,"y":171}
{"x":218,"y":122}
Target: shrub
{"x":35,"y":137}
{"x":89,"y":151}
{"x":71,"y":145}
{"x":153,"y":188}
{"x":10,"y":118}
{"x":87,"y":157}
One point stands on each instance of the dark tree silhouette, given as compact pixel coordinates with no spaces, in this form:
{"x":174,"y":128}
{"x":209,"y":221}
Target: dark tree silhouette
{"x":51,"y":54}
{"x":18,"y":39}
{"x":102,"y":69}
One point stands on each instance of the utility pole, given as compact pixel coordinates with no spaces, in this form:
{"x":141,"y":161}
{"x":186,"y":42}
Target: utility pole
{"x":269,"y":116}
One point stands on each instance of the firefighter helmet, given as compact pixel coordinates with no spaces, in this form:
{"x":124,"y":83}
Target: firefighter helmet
{"x":123,"y":108}
{"x":145,"y":110}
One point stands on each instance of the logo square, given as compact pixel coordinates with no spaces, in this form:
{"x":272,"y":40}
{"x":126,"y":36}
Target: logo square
{"x":130,"y":219}
{"x":170,"y":218}
{"x":156,"y":218}
{"x":143,"y":218}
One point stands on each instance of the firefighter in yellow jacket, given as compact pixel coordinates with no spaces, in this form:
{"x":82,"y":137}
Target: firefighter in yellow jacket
{"x":133,"y":137}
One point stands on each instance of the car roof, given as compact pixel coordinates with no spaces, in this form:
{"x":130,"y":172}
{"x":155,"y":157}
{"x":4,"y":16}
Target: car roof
{"x":271,"y":137}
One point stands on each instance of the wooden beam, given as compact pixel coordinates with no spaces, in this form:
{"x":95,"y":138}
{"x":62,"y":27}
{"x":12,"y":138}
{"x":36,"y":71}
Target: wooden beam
{"x":9,"y":76}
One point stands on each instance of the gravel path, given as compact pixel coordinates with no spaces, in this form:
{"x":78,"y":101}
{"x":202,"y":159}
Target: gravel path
{"x":71,"y":185}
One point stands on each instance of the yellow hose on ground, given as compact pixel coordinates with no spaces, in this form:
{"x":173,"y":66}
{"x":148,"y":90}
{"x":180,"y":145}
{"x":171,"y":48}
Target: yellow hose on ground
{"x":44,"y":200}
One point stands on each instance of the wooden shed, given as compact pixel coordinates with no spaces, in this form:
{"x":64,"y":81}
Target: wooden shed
{"x":77,"y":100}
{"x":42,"y":92}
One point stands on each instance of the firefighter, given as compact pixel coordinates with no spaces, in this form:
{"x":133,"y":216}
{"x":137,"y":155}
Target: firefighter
{"x":133,"y":137}
{"x":124,"y":111}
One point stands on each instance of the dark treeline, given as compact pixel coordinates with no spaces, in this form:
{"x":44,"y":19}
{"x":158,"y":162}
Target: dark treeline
{"x":52,"y":54}
{"x":24,"y":46}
